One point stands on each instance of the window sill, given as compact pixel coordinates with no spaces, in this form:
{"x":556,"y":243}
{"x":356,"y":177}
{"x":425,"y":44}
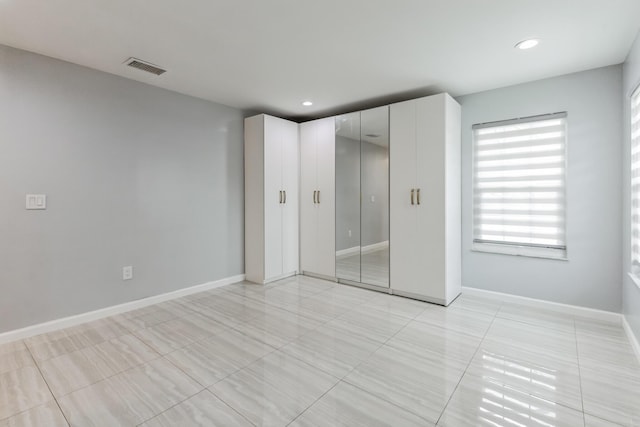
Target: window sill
{"x":522,"y":251}
{"x":635,"y":279}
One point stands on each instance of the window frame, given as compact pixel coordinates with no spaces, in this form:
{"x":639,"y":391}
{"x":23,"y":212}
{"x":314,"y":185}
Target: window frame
{"x":515,"y":249}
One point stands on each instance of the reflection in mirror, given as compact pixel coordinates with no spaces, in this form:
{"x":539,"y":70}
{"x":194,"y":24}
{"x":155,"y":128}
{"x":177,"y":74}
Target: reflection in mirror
{"x":374,"y":186}
{"x":348,"y":197}
{"x":362,"y":197}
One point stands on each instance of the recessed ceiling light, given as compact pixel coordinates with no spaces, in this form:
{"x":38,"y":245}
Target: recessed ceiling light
{"x":307,"y":103}
{"x":527,"y":44}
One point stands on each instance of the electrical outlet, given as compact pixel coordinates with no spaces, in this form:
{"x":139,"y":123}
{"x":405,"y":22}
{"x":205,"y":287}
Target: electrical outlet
{"x":349,"y":233}
{"x":127,"y":272}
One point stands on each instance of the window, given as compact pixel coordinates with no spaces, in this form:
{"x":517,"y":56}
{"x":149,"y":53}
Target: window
{"x":519,"y":169}
{"x":635,"y":183}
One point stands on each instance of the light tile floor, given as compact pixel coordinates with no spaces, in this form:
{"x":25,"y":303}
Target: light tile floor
{"x":307,"y":352}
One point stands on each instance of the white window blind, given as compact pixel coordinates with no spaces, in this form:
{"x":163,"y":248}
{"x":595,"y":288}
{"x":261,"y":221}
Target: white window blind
{"x":635,"y":182}
{"x":519,"y":185}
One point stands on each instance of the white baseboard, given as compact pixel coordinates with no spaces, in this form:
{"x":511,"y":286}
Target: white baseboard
{"x":375,"y":247}
{"x":77,"y":319}
{"x":363,"y":249}
{"x":632,"y":337}
{"x":349,"y":251}
{"x":606,"y":316}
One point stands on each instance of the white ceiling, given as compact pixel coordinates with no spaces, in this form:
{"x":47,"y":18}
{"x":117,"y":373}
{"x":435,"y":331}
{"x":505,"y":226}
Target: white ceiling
{"x":269,"y":55}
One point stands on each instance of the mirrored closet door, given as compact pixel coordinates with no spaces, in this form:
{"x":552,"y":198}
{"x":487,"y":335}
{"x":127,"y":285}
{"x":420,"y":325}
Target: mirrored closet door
{"x":362,"y":197}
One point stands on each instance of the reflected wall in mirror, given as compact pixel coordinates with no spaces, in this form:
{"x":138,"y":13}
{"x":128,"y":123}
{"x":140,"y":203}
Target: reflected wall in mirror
{"x":348,"y":197}
{"x":362,"y":197}
{"x":374,"y":186}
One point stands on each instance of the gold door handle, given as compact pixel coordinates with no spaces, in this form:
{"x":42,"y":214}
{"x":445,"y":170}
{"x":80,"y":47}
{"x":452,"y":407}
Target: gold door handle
{"x":412,"y":193}
{"x":418,"y":195}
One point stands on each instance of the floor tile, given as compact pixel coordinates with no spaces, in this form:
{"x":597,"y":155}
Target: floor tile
{"x":482,"y":305}
{"x":75,"y":370}
{"x":591,"y":421}
{"x":349,"y":294}
{"x":14,"y":356}
{"x":47,"y":346}
{"x":601,"y":329}
{"x":595,"y":351}
{"x":348,"y":406}
{"x":534,"y":338}
{"x":332,"y":350}
{"x":48,"y":415}
{"x":274,"y":390}
{"x":22,"y":389}
{"x":457,"y":320}
{"x":485,"y":402}
{"x":211,"y":360}
{"x":284,"y":325}
{"x":421,"y":384}
{"x":274,"y":354}
{"x":203,"y":409}
{"x":419,"y":337}
{"x":537,"y":316}
{"x":396,"y":305}
{"x":611,"y":396}
{"x":317,"y":308}
{"x":129,"y":398}
{"x":374,"y":324}
{"x":177,"y":333}
{"x":538,"y":375}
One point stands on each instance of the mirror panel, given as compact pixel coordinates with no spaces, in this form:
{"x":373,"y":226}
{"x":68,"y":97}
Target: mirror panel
{"x":374,"y":186}
{"x":348,"y":197}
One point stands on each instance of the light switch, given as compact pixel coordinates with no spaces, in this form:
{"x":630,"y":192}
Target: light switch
{"x":373,"y":198}
{"x":36,"y":201}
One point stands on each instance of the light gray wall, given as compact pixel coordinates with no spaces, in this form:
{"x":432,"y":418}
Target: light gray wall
{"x":374,"y":182}
{"x":347,"y":192}
{"x":630,"y":291}
{"x":591,"y":276}
{"x":134,"y":175}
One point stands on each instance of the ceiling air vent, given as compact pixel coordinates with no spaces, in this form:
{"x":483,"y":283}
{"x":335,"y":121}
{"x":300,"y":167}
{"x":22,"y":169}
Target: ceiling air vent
{"x":144,"y":66}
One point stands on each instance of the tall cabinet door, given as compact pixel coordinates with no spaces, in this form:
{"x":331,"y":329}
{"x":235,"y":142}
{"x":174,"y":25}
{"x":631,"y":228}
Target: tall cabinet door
{"x":273,"y":223}
{"x":289,"y":205}
{"x":406,"y":270}
{"x":308,"y":191}
{"x":326,"y":197}
{"x":317,"y":207}
{"x":430,"y":228}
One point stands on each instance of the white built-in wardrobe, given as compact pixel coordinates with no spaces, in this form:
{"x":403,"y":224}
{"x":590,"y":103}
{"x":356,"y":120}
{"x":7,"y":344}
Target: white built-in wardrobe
{"x":424,"y":252}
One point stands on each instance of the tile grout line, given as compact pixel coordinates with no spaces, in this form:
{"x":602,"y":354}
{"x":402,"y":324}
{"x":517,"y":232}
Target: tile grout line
{"x":411,"y":319}
{"x":495,"y":316}
{"x":274,"y":349}
{"x":355,"y":367}
{"x":575,"y":333}
{"x":55,"y":399}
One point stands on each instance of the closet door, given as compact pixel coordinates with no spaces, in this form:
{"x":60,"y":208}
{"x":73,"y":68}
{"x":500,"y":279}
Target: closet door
{"x":308,"y":211}
{"x":273,"y":206}
{"x":406,"y":268}
{"x":317,"y":207}
{"x":325,"y":197}
{"x":430,"y":232}
{"x":289,"y":206}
